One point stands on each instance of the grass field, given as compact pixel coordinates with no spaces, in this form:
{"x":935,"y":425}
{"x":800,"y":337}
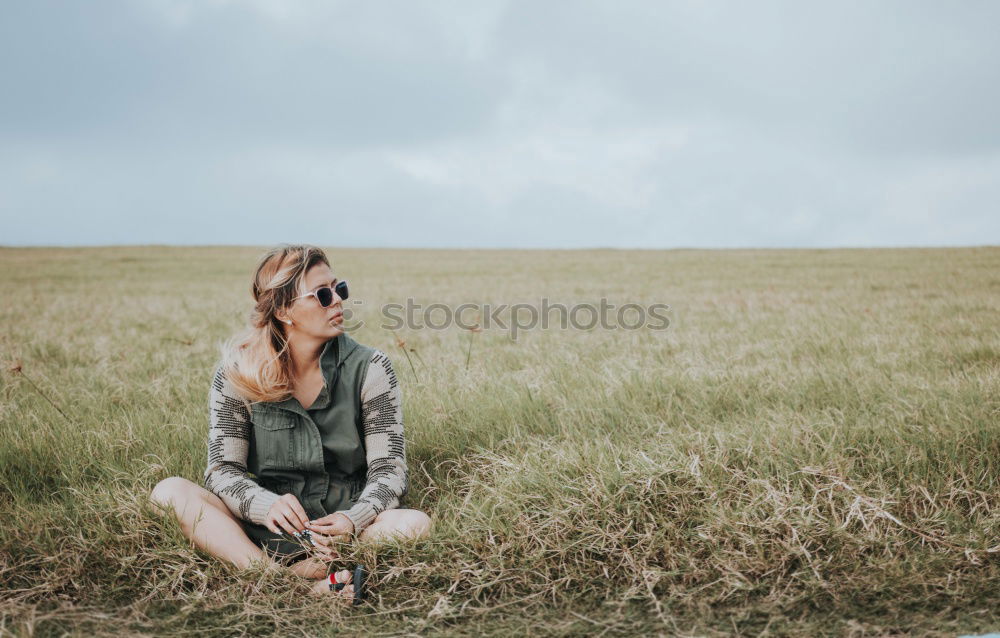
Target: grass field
{"x":811,"y":448}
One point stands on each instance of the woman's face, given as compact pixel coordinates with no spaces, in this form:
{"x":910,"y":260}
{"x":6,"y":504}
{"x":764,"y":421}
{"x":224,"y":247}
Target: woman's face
{"x":308,"y":317}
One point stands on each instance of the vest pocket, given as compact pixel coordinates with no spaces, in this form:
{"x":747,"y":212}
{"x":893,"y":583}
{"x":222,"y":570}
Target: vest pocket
{"x":275,"y":439}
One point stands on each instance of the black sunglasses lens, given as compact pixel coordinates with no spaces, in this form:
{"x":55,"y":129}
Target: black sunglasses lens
{"x":325,"y":296}
{"x":341,"y":289}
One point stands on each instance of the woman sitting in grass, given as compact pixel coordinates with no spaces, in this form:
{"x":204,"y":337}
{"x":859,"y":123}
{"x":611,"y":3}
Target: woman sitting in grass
{"x":314,"y":416}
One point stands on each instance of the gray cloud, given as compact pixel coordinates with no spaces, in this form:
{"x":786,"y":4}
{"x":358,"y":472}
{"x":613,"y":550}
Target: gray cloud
{"x":500,"y":123}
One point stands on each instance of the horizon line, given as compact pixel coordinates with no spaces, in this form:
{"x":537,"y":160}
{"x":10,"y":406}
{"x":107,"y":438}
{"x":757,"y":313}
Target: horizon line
{"x":502,"y":248}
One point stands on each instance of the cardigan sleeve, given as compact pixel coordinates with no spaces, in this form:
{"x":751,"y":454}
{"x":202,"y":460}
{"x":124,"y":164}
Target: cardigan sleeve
{"x":387,"y":478}
{"x":228,"y":446}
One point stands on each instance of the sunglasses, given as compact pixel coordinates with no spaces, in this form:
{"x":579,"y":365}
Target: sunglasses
{"x":324,"y":295}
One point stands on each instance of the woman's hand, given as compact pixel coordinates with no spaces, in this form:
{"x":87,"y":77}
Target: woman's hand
{"x":324,"y":546}
{"x":286,"y":514}
{"x":336,"y":525}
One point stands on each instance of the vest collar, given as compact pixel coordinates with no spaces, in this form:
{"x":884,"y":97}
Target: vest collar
{"x":335,"y":352}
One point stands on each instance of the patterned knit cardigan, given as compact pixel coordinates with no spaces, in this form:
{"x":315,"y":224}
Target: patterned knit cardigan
{"x":382,"y":416}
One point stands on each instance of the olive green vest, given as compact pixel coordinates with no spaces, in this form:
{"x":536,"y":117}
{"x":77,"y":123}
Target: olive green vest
{"x":316,"y":454}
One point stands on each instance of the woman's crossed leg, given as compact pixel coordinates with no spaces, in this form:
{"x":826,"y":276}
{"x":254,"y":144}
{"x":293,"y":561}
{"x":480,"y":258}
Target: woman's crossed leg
{"x":212,"y":527}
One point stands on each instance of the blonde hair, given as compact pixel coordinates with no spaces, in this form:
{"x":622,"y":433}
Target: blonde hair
{"x":257,"y":360}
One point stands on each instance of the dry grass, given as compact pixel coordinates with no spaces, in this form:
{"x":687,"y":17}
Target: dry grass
{"x":812,"y":448}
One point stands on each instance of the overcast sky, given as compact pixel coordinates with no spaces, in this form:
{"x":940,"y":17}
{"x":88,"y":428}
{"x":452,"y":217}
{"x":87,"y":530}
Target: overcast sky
{"x":500,"y":124}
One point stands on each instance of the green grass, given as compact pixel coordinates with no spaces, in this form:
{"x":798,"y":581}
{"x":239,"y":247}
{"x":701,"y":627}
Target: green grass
{"x":811,"y":448}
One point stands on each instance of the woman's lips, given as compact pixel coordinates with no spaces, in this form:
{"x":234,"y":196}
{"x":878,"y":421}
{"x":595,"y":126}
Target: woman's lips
{"x":337,"y":316}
